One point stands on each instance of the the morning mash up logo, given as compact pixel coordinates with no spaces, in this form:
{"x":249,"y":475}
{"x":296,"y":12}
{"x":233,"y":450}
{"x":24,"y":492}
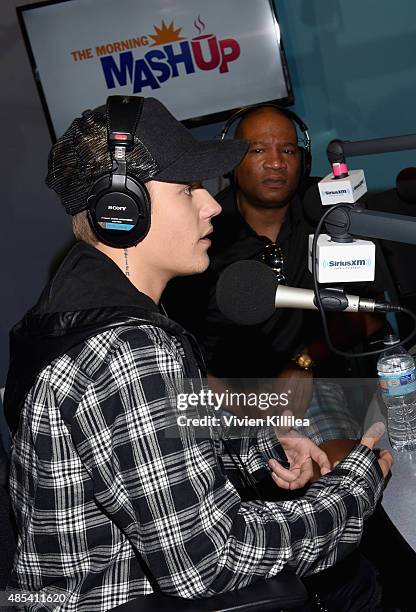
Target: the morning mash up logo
{"x":169,"y":55}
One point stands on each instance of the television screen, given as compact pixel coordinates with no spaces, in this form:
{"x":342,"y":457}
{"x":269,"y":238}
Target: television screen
{"x":202,"y":59}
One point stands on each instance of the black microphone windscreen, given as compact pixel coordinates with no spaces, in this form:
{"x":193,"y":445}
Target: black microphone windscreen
{"x":246,"y":292}
{"x":406,"y":185}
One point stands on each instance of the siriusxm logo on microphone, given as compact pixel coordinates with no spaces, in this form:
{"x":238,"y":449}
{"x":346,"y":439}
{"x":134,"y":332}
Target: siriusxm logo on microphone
{"x":343,"y":263}
{"x":335,"y":192}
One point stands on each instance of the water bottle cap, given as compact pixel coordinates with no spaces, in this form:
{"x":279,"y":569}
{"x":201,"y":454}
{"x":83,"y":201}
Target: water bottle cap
{"x":390,"y":340}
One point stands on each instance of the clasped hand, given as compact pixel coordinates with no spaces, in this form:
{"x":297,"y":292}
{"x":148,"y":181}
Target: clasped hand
{"x":301,"y":452}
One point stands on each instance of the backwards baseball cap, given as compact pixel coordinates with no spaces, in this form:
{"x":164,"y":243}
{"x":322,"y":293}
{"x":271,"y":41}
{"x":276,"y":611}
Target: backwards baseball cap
{"x":163,"y":150}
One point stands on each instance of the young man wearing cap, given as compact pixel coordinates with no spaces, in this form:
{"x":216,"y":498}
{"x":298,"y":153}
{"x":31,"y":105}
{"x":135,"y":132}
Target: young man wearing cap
{"x":111,"y":495}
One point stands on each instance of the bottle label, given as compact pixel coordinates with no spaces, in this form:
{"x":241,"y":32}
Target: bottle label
{"x":398,"y":384}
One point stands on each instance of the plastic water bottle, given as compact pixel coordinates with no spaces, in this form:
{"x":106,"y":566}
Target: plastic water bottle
{"x":397,"y":379}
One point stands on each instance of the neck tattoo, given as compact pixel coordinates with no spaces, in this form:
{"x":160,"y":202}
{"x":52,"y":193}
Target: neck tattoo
{"x":126,"y":271}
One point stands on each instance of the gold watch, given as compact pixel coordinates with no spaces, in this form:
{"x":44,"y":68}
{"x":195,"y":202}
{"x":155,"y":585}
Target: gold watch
{"x":303,"y":361}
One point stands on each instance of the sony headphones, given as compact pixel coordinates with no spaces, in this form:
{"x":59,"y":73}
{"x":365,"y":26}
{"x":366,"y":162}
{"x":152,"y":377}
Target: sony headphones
{"x":119,"y":204}
{"x":305,"y":148}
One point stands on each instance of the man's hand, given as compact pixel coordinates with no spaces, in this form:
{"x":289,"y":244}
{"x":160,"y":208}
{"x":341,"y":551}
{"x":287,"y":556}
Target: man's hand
{"x":370,"y":438}
{"x":300,"y":452}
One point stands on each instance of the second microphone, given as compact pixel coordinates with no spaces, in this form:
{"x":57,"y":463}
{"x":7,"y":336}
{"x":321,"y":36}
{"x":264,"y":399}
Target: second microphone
{"x":248,"y":293}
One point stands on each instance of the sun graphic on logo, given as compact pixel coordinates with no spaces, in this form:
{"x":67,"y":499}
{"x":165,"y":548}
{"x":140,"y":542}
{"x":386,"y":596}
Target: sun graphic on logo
{"x":165,"y":34}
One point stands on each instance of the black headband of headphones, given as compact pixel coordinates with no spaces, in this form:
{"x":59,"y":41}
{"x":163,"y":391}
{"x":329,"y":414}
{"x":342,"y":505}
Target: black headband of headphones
{"x":123,"y":115}
{"x":285,"y":111}
{"x":118,"y":203}
{"x":306,"y":145}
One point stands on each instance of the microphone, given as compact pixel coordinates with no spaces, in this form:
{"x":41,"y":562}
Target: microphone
{"x":248,"y":293}
{"x":342,"y":258}
{"x":401,"y":200}
{"x":312,"y":206}
{"x":349,"y":188}
{"x":399,"y":256}
{"x":406,"y":185}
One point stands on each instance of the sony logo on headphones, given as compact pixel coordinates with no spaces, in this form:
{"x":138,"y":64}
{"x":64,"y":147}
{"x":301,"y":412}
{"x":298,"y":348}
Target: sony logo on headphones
{"x":117,"y":207}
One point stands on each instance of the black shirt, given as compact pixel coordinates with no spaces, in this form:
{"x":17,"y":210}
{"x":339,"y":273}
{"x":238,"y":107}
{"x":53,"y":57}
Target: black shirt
{"x":241,"y":351}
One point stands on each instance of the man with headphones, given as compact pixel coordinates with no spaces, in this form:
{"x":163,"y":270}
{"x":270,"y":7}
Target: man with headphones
{"x":263,"y":219}
{"x":113,"y":497}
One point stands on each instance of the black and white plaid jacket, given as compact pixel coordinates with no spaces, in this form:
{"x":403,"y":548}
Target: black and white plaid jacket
{"x":101,"y":471}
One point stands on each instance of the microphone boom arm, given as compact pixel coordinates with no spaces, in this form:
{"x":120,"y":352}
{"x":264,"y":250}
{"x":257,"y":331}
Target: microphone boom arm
{"x":350,"y":220}
{"x":337,"y":150}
